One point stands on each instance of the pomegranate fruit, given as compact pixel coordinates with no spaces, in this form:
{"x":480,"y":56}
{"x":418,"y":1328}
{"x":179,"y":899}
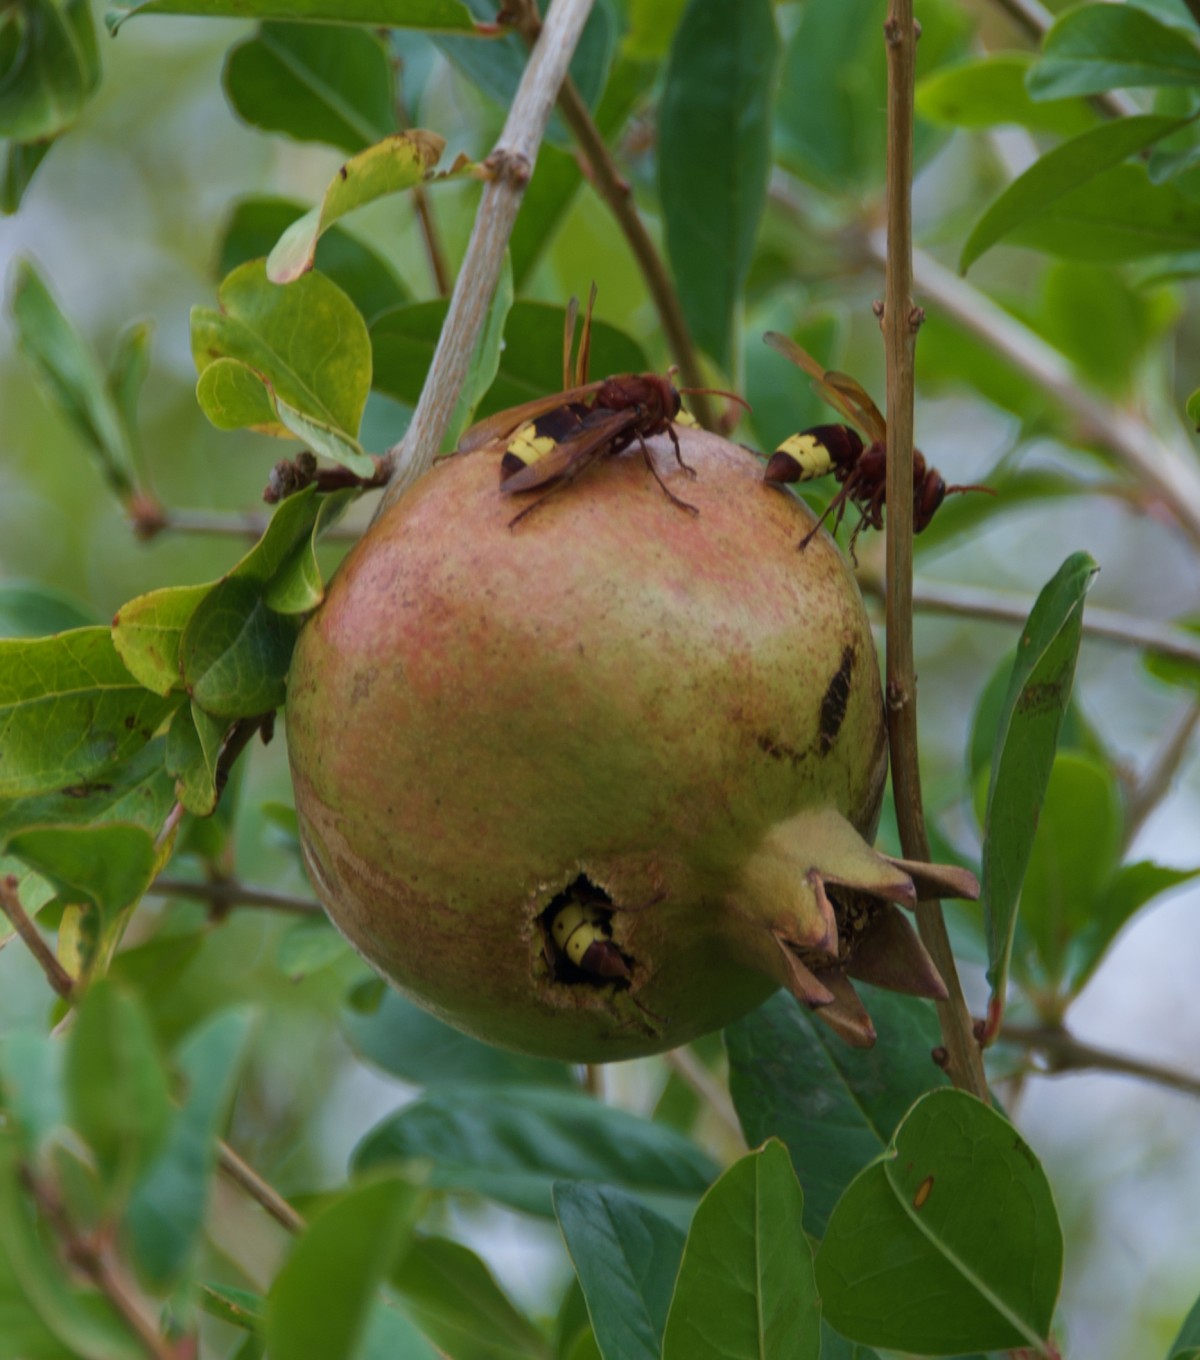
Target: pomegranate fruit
{"x":598,"y":783}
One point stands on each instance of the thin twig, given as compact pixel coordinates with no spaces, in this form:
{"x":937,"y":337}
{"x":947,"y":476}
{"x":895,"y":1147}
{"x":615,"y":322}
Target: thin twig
{"x":92,"y":1254}
{"x":1065,"y":1053}
{"x":220,"y":524}
{"x":510,"y":166}
{"x":245,"y":1177}
{"x":1032,"y":18}
{"x":614,"y":189}
{"x":1169,"y":470}
{"x":10,"y":904}
{"x":421,"y":202}
{"x":1155,"y":783}
{"x":693,"y":1072}
{"x":433,"y":242}
{"x":225,"y":893}
{"x":1111,"y":625}
{"x":901,"y":319}
{"x":237,"y":739}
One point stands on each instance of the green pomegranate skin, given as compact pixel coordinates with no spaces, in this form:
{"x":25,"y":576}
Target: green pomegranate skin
{"x":478,"y":715}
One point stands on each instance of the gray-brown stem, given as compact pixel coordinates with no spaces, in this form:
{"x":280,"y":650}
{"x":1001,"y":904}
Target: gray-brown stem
{"x":511,"y":165}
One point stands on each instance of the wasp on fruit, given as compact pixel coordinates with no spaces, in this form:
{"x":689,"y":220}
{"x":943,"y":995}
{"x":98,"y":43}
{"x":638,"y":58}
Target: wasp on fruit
{"x":550,"y":441}
{"x":580,"y":926}
{"x":861,"y":469}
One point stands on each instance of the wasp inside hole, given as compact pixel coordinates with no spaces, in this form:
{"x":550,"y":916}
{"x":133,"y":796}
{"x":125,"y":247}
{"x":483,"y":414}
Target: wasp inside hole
{"x":580,"y":946}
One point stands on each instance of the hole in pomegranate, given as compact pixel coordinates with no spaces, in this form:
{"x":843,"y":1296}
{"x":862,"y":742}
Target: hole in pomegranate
{"x":577,"y":926}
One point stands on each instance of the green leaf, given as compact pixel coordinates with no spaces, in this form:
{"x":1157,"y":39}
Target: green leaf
{"x":1075,"y":854}
{"x":400,"y":161}
{"x":1102,"y":323}
{"x":235,"y":649}
{"x":138,"y":792}
{"x":194,"y":742}
{"x":531,"y":363}
{"x":746,"y":1283}
{"x":1176,"y":159}
{"x":496,"y":67}
{"x":239,"y":1307}
{"x":31,"y":1079}
{"x":485,"y":358}
{"x":452,"y":1296}
{"x":557,"y":176}
{"x":443,"y":16}
{"x":297,"y":586}
{"x":1131,"y":887}
{"x":950,"y":1242}
{"x":320,"y":1302}
{"x":147,"y":633}
{"x":116,"y":1086}
{"x":1178,"y":670}
{"x":834,"y":1346}
{"x":315,"y":82}
{"x":292,"y":525}
{"x":266,"y":361}
{"x":1095,"y":48}
{"x":1119,"y":215}
{"x":626,"y":1257}
{"x":652,"y":25}
{"x":1186,"y":1345}
{"x":109,"y":865}
{"x":78,"y":14}
{"x":411,"y":1044}
{"x":1038,"y":692}
{"x":571,"y":1321}
{"x":128,"y":367}
{"x":38,"y":1308}
{"x":19,"y":162}
{"x":1076,"y":733}
{"x":584,"y":1347}
{"x":829,"y":127}
{"x":165,"y":1215}
{"x":308,"y":946}
{"x":43,"y":90}
{"x":257,"y":223}
{"x":828,"y":115}
{"x":714,"y":133}
{"x":69,"y":710}
{"x":1058,"y":172}
{"x":74,"y":377}
{"x":834,"y":1107}
{"x":31,"y":610}
{"x":990,"y":92}
{"x":512,"y":1143}
{"x":391,"y":1334}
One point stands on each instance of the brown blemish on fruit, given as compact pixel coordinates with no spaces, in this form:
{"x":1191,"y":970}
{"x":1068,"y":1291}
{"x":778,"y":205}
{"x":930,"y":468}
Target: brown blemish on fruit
{"x":778,"y":750}
{"x":833,"y":705}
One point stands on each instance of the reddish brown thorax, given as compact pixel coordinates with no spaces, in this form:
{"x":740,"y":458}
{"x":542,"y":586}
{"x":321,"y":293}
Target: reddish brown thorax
{"x":652,"y":393}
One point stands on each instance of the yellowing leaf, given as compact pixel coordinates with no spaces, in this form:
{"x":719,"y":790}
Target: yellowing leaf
{"x":396,"y":163}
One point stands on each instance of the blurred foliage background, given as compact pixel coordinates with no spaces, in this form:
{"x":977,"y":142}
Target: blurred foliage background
{"x":125,"y":220}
